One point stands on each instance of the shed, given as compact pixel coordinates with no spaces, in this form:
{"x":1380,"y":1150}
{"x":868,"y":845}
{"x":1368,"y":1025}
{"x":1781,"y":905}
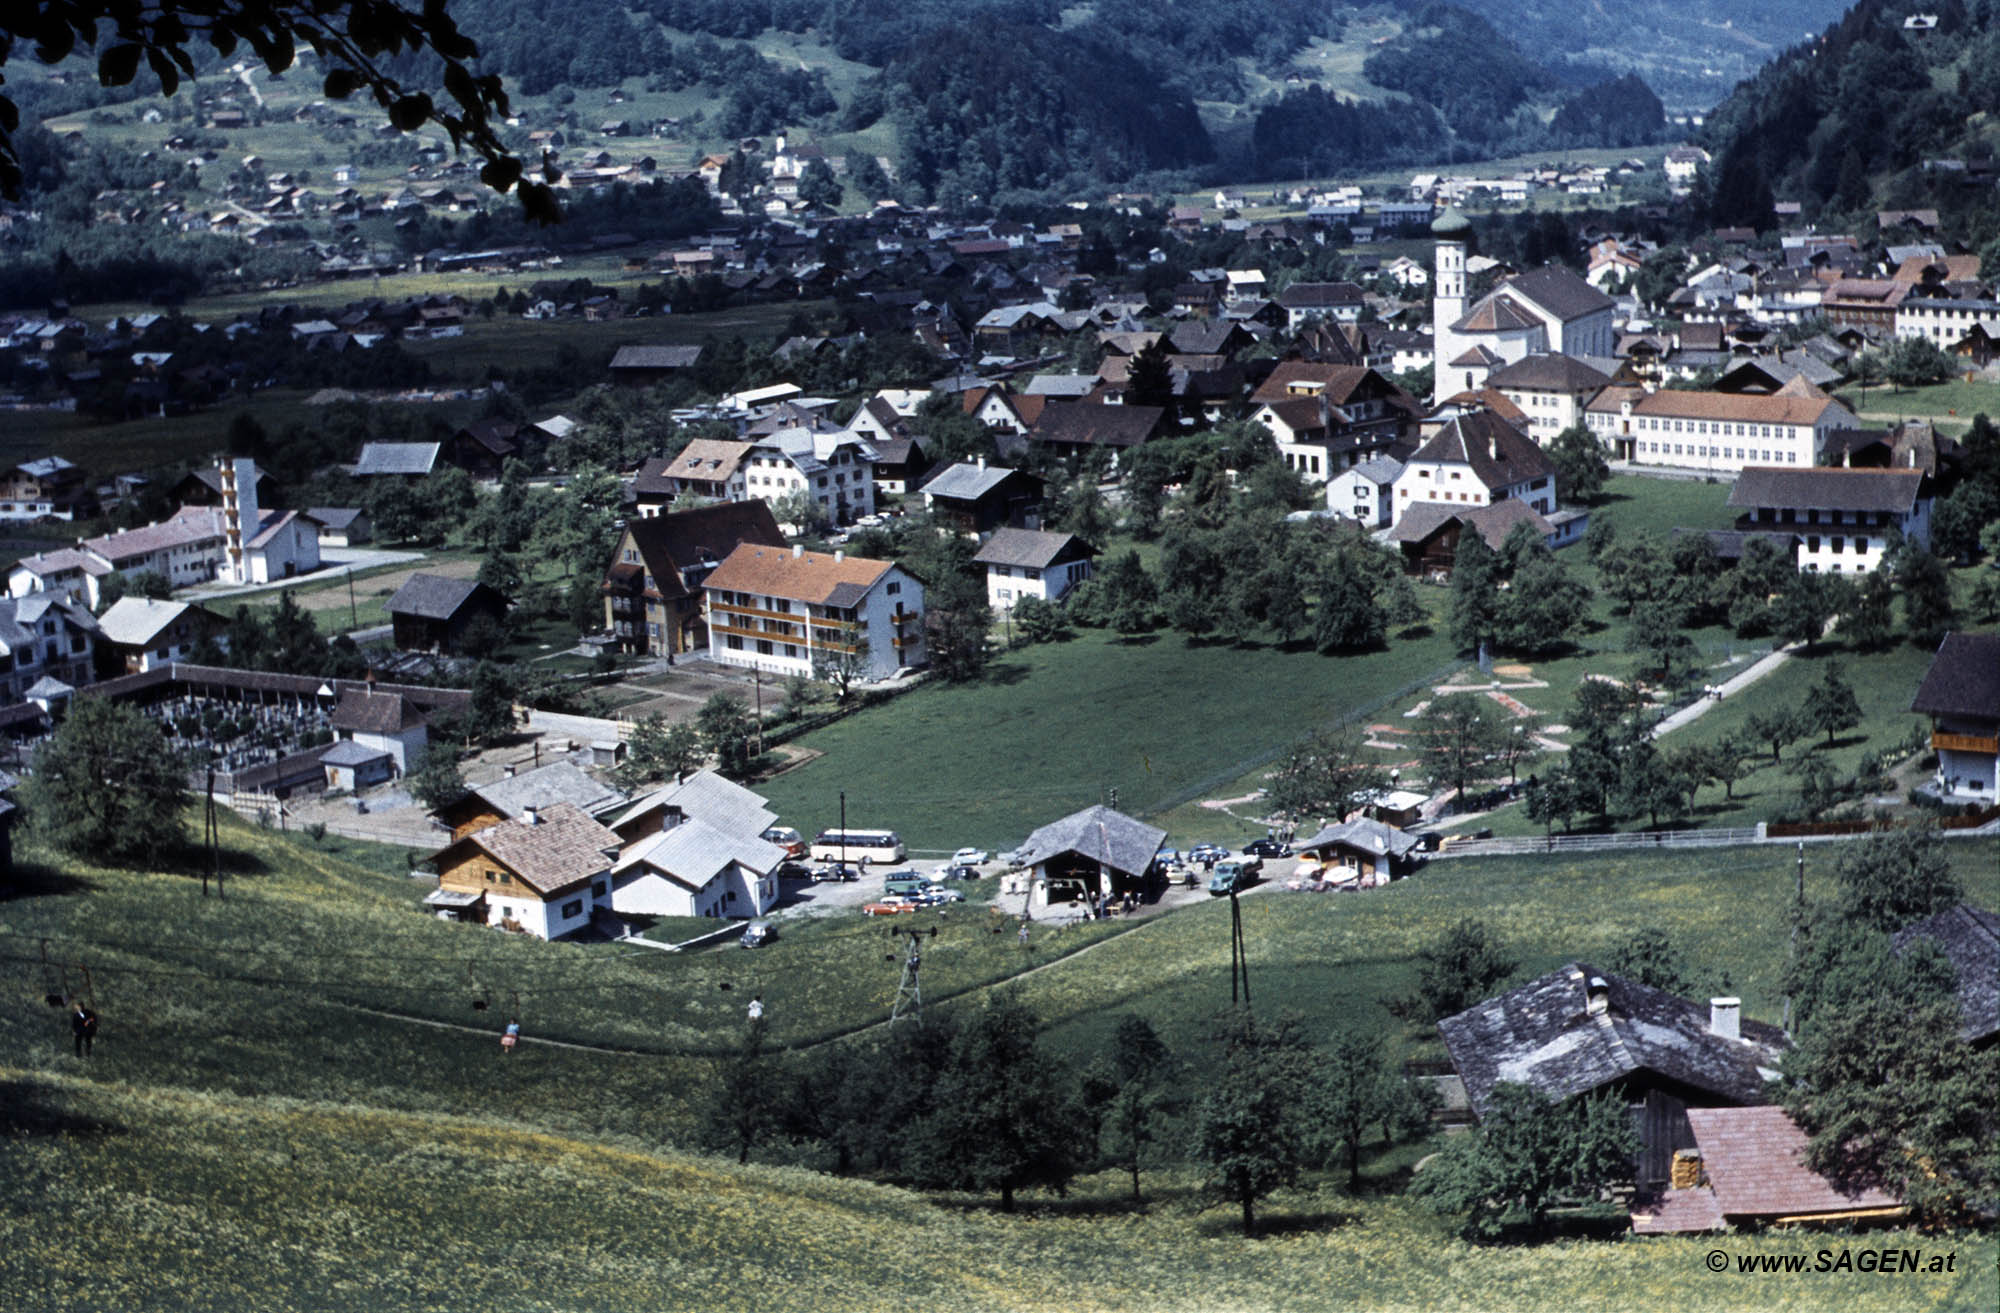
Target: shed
{"x":1094,"y":851}
{"x":430,"y":613}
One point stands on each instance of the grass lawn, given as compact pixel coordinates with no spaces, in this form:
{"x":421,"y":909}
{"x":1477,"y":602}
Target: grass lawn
{"x":1951,"y":405}
{"x":1057,"y":727}
{"x":1635,"y":504}
{"x":241,"y":1130}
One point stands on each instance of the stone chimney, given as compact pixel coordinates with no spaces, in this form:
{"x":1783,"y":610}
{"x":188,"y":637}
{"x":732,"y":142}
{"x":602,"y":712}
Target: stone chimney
{"x":1725,"y":1017}
{"x":529,"y":816}
{"x":981,"y":462}
{"x":1599,"y":994}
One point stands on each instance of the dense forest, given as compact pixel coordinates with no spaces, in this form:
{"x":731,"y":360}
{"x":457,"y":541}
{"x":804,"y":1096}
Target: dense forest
{"x":1845,"y":122}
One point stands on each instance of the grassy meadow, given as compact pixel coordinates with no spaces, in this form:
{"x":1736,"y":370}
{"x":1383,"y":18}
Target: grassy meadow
{"x":253,"y":1132}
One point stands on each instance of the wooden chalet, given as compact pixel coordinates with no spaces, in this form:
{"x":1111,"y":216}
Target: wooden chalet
{"x":430,"y":613}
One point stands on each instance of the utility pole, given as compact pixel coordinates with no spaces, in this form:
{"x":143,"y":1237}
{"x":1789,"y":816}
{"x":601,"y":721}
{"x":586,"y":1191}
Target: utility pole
{"x":209,"y":837}
{"x":843,"y":831}
{"x":1798,"y":915}
{"x":1239,"y":956}
{"x":910,"y":992}
{"x":353,"y":613}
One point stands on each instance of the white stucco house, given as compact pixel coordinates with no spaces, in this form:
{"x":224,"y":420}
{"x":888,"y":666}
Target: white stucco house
{"x":788,"y":611}
{"x":1032,"y":563}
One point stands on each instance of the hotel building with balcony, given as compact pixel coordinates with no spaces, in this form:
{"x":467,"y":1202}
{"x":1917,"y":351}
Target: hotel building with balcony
{"x":788,"y":611}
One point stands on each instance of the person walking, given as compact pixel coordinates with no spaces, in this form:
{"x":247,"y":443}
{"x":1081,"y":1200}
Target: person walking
{"x":1024,"y":934}
{"x":82,"y":1028}
{"x":510,"y":1037}
{"x":757,"y":1008}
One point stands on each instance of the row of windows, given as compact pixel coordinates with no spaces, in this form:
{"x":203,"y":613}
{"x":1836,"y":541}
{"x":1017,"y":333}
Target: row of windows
{"x":1837,"y":545}
{"x":1720,"y":453}
{"x":1719,"y":428}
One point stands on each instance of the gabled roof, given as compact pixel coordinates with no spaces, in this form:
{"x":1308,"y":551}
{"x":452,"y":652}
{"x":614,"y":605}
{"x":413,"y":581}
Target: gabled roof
{"x":1963,"y":679}
{"x":1496,"y":314}
{"x":1548,"y":371}
{"x":561,"y":849}
{"x":655,"y":357}
{"x":1107,"y":837}
{"x":19,"y":617}
{"x":1034,"y":548}
{"x":1367,"y":834}
{"x":1337,"y":383}
{"x":545,"y":786}
{"x":375,"y":713}
{"x":694,"y":852}
{"x":1559,"y":292}
{"x":706,"y":796}
{"x":185,"y":527}
{"x":812,"y":577}
{"x":708,"y":460}
{"x":1674,"y":403}
{"x":137,"y":621}
{"x":1314,"y":296}
{"x":964,"y":481}
{"x":349,"y":752}
{"x":1970,"y":937}
{"x":1543,"y":1035}
{"x":1097,"y":426}
{"x":1498,"y":454}
{"x":1827,"y":489}
{"x":669,"y":544}
{"x":396,"y":458}
{"x":435,"y":597}
{"x":334,"y":517}
{"x":1378,"y":469}
{"x":60,"y":561}
{"x":1755,"y":1161}
{"x":1493,"y":523}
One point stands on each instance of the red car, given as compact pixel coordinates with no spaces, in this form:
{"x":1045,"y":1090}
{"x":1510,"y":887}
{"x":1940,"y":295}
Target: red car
{"x":889,"y":906}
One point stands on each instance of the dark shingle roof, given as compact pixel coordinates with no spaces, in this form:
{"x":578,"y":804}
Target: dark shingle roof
{"x":1560,"y":292}
{"x":669,"y":544}
{"x":1034,"y":548}
{"x":1827,"y":489}
{"x":396,"y":458}
{"x":375,"y":713}
{"x":1970,"y":937}
{"x":433,"y":596}
{"x":1964,"y":678}
{"x":1499,"y":454}
{"x":1099,"y":426}
{"x":1544,"y":1036}
{"x":1550,"y":371}
{"x":1107,"y":837}
{"x":656,"y":357}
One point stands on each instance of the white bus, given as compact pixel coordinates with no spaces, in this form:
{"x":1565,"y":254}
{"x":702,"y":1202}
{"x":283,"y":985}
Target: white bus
{"x":858,"y":846}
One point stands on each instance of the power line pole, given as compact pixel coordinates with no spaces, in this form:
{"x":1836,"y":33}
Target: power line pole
{"x":1239,"y":956}
{"x":1798,"y":915}
{"x":208,"y":837}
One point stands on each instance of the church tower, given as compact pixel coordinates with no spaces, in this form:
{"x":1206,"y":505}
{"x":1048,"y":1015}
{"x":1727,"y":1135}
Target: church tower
{"x":1453,"y":232}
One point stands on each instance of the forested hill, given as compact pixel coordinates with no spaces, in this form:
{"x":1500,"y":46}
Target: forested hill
{"x":1845,"y":122}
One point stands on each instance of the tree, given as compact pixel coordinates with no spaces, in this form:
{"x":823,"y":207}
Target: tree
{"x":1002,"y":1116}
{"x":1453,"y":738}
{"x":1456,"y":971}
{"x":434,"y":778}
{"x":1657,"y":633}
{"x":1325,"y":774}
{"x":1347,"y":618}
{"x":1870,"y":619}
{"x":1580,"y":466}
{"x":1648,"y":956}
{"x":1545,"y":608}
{"x":1726,"y":761}
{"x":358,"y":45}
{"x":1040,"y":621}
{"x":106,"y":786}
{"x":489,"y":715}
{"x":1926,"y":587}
{"x":1552,"y":799}
{"x":844,"y":661}
{"x":1649,"y":782}
{"x":742,"y":1102}
{"x":819,"y":188}
{"x":1130,"y":595}
{"x":1527,"y":1155}
{"x":1915,"y":361}
{"x":1134,"y":1093}
{"x":1475,"y":591}
{"x":1354,"y":1089}
{"x":659,"y":751}
{"x":1149,"y":380}
{"x":1252,"y":1131}
{"x":1808,"y":602}
{"x":1830,"y":704}
{"x":726,"y":727}
{"x":865,"y":172}
{"x":1892,"y":879}
{"x":1777,"y":727}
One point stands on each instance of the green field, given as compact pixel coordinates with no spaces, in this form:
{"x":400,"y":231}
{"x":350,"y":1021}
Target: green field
{"x":253,"y":1133}
{"x":1060,"y":726}
{"x":1950,"y":405}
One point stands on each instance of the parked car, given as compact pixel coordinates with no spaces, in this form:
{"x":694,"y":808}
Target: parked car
{"x":1207,"y":852}
{"x":757,"y":934}
{"x":1015,"y":858}
{"x":1232,"y":877}
{"x":906,"y":883}
{"x":795,"y":871}
{"x":889,"y":906}
{"x":932,"y":897}
{"x":833,"y":872}
{"x":969,"y":857}
{"x":961,"y":873}
{"x":1266,"y":847}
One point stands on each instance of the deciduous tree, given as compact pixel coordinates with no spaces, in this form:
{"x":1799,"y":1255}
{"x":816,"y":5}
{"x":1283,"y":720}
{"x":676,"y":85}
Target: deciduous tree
{"x":105,"y":786}
{"x":1527,"y":1155}
{"x":1253,"y":1129}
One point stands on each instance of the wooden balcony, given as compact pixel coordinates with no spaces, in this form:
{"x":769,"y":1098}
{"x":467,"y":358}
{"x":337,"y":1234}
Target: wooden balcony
{"x":1943,"y":742}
